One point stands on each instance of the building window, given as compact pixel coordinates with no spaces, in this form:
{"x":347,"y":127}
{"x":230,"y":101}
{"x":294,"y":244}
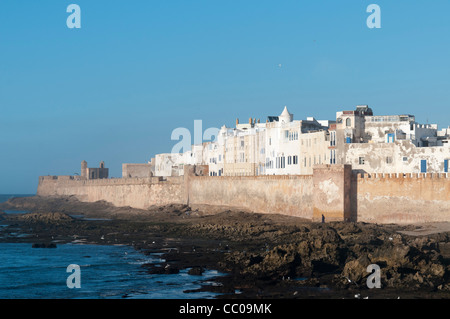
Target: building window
{"x":293,"y":136}
{"x":361,"y":161}
{"x":405,"y":159}
{"x":295,"y":159}
{"x":348,"y":122}
{"x":390,"y":137}
{"x":388,"y":160}
{"x":333,"y":139}
{"x":289,"y":160}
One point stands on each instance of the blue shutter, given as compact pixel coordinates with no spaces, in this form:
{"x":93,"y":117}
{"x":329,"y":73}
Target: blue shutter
{"x":348,"y":140}
{"x":446,"y":166}
{"x":423,"y":166}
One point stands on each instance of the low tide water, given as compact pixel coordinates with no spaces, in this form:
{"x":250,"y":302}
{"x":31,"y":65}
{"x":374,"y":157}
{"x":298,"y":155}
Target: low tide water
{"x":106,"y":272}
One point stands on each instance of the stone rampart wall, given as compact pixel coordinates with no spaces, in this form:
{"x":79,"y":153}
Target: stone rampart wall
{"x":332,"y":191}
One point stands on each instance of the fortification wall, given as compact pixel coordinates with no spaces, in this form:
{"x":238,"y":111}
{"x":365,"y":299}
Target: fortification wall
{"x":289,"y":195}
{"x":402,"y":198}
{"x":332,"y":191}
{"x":136,"y":170}
{"x":133,"y":192}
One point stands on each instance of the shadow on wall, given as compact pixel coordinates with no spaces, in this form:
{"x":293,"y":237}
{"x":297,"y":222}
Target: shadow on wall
{"x":354,"y":198}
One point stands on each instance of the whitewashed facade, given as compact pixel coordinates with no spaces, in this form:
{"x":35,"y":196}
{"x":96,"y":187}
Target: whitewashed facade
{"x":284,"y":146}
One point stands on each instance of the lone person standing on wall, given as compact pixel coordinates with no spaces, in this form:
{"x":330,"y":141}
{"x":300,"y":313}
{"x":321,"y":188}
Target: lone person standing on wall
{"x":323,"y":219}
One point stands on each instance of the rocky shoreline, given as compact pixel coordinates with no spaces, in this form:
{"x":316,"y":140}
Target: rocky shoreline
{"x":263,"y":255}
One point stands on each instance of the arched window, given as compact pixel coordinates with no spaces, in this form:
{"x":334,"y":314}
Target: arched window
{"x":348,"y":122}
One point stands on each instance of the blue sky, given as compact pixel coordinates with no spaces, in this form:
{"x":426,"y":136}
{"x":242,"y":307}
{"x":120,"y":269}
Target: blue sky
{"x":115,"y":89}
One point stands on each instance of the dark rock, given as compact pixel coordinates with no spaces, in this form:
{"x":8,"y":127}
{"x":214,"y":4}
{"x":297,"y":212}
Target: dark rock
{"x":55,"y":218}
{"x":329,"y":235}
{"x":43,"y":245}
{"x":355,"y":270}
{"x":196,"y":271}
{"x":161,"y":270}
{"x":171,"y":269}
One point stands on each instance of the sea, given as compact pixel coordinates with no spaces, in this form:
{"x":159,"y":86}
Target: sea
{"x":100,"y":272}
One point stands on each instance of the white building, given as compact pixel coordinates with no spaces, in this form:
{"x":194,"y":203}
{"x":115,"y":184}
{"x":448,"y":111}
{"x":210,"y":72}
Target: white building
{"x":172,"y":164}
{"x":244,"y":150}
{"x":284,"y":146}
{"x":389,"y":144}
{"x":166,"y":164}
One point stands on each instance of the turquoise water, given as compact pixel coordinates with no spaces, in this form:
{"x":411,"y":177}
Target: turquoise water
{"x":106,"y":272}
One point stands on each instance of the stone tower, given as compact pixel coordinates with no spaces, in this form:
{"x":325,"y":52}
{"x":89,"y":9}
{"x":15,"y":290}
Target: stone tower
{"x":83,"y":169}
{"x":285,"y":116}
